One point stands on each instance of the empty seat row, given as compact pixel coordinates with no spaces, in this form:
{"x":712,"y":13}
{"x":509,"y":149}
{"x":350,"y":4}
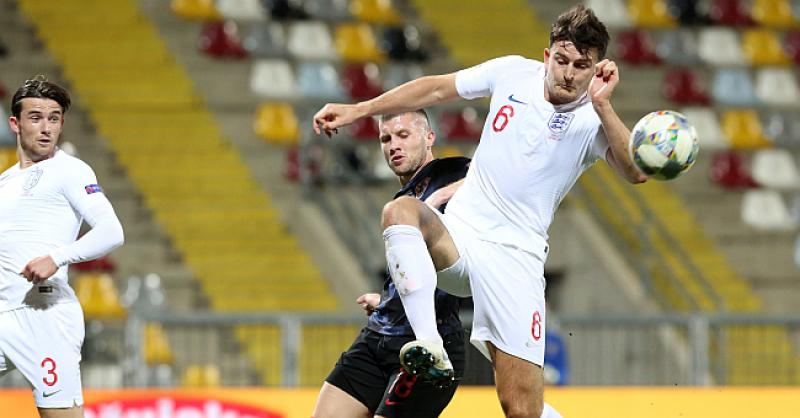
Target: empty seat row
{"x":734,"y":87}
{"x":774,"y":169}
{"x":372,"y":11}
{"x":744,"y":129}
{"x":669,"y":13}
{"x":716,"y":46}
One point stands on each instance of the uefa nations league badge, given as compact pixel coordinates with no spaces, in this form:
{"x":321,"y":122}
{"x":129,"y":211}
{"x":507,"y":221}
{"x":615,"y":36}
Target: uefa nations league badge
{"x":558,"y":124}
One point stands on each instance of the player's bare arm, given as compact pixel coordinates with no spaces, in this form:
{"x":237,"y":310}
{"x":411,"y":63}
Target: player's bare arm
{"x":605,"y":79}
{"x":369,"y":301}
{"x":415,"y":94}
{"x":443,"y":195}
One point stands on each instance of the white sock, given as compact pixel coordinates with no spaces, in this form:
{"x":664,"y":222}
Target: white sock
{"x":414,"y":276}
{"x":550,"y":412}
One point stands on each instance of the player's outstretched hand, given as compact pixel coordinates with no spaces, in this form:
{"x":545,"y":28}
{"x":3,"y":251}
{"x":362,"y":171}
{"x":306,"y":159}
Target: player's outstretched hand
{"x":606,"y":77}
{"x":369,"y":301}
{"x":39,"y":269}
{"x":333,"y":116}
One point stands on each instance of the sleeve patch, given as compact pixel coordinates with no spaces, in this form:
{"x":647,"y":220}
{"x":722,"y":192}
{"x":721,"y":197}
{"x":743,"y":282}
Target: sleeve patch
{"x":93,"y":188}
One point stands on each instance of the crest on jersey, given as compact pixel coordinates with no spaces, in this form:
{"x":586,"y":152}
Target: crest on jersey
{"x":33,"y":178}
{"x":93,"y":188}
{"x":559,"y":122}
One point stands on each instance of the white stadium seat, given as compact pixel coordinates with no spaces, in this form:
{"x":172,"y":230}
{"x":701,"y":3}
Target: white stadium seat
{"x":720,"y":47}
{"x":777,"y":86}
{"x":244,"y":10}
{"x":709,"y":133}
{"x":613,"y":13}
{"x":765,"y":210}
{"x":273,"y":79}
{"x":311,"y":40}
{"x":775,"y":168}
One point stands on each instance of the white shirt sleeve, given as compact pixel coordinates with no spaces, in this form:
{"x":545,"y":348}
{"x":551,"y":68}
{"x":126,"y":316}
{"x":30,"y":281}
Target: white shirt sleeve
{"x":86,"y":197}
{"x":479,"y":80}
{"x":600,"y":144}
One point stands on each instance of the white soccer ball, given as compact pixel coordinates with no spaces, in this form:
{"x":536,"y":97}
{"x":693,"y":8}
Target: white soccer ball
{"x":663,"y":144}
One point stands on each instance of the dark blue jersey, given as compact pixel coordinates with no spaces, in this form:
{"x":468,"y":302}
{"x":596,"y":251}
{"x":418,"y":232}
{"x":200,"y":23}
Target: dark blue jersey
{"x":389,"y":317}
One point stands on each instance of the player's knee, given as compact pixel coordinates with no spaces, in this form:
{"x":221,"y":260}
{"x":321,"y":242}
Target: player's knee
{"x":401,"y":211}
{"x":515,"y":406}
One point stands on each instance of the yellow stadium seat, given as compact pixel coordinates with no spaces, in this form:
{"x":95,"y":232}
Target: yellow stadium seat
{"x":356,"y":43}
{"x":8,"y":157}
{"x":156,"y":345}
{"x":650,"y":14}
{"x":762,"y":47}
{"x":195,"y":9}
{"x":446,"y":151}
{"x":773,"y":13}
{"x":99,"y":297}
{"x":277,"y":123}
{"x":201,"y":376}
{"x":743,"y":129}
{"x":374,"y":11}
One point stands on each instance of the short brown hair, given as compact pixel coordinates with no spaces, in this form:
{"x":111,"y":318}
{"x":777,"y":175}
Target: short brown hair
{"x":39,"y":87}
{"x":581,"y":26}
{"x":420,"y":112}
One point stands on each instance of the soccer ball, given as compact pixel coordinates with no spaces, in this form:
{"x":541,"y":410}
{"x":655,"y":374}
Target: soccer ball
{"x":664,"y":144}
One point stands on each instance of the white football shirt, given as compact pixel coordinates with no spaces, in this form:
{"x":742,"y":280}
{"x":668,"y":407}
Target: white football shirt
{"x":41,"y":210}
{"x":529,"y":156}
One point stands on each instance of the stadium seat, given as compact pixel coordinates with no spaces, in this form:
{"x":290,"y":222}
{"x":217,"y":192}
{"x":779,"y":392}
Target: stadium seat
{"x":7,"y":137}
{"x":310,"y":40}
{"x":729,"y":13}
{"x":311,"y":158}
{"x":782,"y":128}
{"x":99,"y":297}
{"x":776,"y":169}
{"x":762,"y":47}
{"x":277,"y":123}
{"x":765,"y":210}
{"x":636,"y":48}
{"x":319,"y":80}
{"x":732,"y":87}
{"x":687,"y":13}
{"x":678,"y":47}
{"x":650,"y":14}
{"x":331,"y":10}
{"x":791,"y":44}
{"x":613,"y":13}
{"x":362,"y":81}
{"x":403,"y":43}
{"x":777,"y":87}
{"x":285,"y":9}
{"x":374,"y":11}
{"x":461,"y":125}
{"x":709,"y":133}
{"x":221,"y":40}
{"x":8,"y":157}
{"x":266,"y":40}
{"x":356,"y":43}
{"x":397,"y":74}
{"x":273,"y":79}
{"x":683,"y":86}
{"x":719,"y":47}
{"x":773,"y":13}
{"x":195,"y":9}
{"x":365,"y":129}
{"x":743,"y":129}
{"x":244,"y":10}
{"x":201,"y":376}
{"x":728,"y":170}
{"x":156,"y":346}
{"x":102,"y":264}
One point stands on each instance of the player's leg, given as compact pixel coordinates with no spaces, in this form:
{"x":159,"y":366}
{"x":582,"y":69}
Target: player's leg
{"x":416,"y":243}
{"x":74,"y":412}
{"x":520,"y":385}
{"x":334,"y":402}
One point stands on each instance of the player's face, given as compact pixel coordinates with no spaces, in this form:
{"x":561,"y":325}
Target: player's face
{"x":38,"y":127}
{"x":568,"y":72}
{"x":406,"y":141}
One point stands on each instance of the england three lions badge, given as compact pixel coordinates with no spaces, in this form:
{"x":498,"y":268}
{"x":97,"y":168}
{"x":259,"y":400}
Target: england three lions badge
{"x":558,"y":124}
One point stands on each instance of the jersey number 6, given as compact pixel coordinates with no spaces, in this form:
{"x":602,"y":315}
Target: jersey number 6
{"x":502,"y":117}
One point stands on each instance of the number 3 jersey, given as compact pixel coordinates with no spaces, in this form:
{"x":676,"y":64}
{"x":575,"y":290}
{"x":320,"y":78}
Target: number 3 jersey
{"x":530,"y":153}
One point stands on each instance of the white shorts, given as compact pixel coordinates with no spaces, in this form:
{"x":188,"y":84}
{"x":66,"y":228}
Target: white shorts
{"x":45,"y":345}
{"x":507,"y":287}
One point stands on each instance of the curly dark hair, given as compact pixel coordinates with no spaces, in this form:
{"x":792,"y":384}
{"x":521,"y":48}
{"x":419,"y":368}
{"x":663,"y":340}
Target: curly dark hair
{"x":39,"y":87}
{"x":581,"y":26}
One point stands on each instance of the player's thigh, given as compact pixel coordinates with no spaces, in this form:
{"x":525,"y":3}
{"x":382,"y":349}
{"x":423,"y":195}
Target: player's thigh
{"x":520,"y":384}
{"x":74,"y":412}
{"x":46,"y":349}
{"x":407,"y":210}
{"x":334,"y":402}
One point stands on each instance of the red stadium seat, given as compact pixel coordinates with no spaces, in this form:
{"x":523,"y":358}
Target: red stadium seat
{"x":683,"y":87}
{"x":100,"y":265}
{"x":362,"y":81}
{"x":792,"y":46}
{"x":635,"y":47}
{"x":460,"y":125}
{"x":728,"y":170}
{"x":291,"y":168}
{"x":730,"y":13}
{"x":221,"y":40}
{"x":365,"y":129}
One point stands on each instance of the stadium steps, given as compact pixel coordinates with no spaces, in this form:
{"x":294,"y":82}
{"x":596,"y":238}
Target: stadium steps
{"x":173,"y":150}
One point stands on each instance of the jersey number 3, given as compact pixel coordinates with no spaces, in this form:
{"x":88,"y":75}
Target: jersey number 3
{"x":502,"y":117}
{"x":50,"y":366}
